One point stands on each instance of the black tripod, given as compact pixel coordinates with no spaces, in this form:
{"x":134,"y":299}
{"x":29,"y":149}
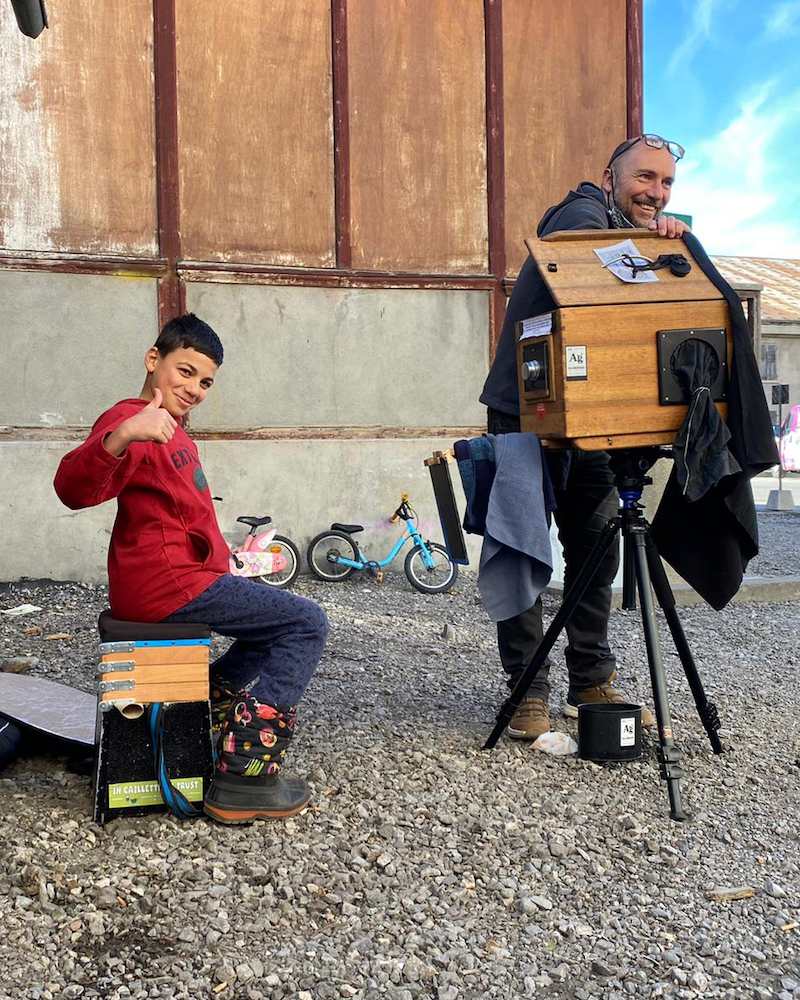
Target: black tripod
{"x":641,"y":567}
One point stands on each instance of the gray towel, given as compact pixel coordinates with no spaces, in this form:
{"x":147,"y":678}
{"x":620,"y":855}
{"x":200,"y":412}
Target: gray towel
{"x":516,"y":559}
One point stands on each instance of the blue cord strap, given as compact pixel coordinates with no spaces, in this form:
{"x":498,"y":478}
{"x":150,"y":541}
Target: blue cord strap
{"x":175,"y":800}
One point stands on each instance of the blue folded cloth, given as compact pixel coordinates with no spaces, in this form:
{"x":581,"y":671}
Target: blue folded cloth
{"x":516,"y":558}
{"x":475,"y":459}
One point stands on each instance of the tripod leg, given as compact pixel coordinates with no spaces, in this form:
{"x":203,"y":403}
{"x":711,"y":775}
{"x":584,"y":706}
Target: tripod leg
{"x":706,"y":709}
{"x":628,"y":578}
{"x":604,"y":542}
{"x":670,"y":755}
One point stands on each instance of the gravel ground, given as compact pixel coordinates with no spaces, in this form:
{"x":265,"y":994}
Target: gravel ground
{"x":779,"y":545}
{"x":425,"y":867}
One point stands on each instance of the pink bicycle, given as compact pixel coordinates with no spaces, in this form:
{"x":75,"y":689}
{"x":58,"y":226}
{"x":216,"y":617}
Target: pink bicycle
{"x":265,"y":556}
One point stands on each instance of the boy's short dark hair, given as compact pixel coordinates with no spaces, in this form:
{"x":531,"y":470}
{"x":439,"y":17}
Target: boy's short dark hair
{"x":189,"y":331}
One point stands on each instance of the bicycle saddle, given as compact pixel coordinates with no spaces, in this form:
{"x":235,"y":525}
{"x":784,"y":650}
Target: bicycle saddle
{"x":254,"y":522}
{"x":348,"y":529}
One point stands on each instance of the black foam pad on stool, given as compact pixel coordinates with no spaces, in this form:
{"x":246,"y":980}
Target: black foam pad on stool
{"x":114,"y":630}
{"x":125,"y":755}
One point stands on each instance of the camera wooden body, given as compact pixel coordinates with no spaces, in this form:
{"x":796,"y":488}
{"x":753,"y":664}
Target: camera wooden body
{"x":596,"y":373}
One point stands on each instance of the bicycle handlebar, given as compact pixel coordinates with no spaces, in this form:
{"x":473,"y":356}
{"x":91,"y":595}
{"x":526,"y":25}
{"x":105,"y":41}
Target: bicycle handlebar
{"x":405,"y":510}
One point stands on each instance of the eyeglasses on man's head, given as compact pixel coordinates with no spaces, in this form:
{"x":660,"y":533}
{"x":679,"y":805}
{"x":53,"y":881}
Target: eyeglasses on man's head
{"x":654,"y":141}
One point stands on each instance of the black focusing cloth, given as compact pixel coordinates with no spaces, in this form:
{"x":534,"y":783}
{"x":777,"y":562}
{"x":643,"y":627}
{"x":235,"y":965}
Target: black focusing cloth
{"x":701,"y":450}
{"x":710,"y":541}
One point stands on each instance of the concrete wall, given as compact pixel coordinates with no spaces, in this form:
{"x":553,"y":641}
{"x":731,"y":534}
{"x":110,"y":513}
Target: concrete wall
{"x":352,"y":357}
{"x":73,"y":344}
{"x":324,"y":358}
{"x":316,"y":357}
{"x":302,"y":485}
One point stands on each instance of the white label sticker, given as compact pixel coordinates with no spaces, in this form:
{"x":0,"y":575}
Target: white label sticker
{"x":576,"y":364}
{"x":627,"y":732}
{"x":537,"y":326}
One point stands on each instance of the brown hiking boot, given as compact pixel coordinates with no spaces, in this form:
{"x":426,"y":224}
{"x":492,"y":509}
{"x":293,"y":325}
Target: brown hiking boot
{"x":603,"y":694}
{"x":530,"y":720}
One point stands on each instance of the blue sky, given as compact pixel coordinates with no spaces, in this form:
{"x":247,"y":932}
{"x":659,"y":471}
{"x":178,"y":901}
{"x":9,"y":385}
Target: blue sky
{"x":722,"y":78}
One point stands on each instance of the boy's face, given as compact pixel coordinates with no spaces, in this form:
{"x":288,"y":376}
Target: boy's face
{"x":184,"y":377}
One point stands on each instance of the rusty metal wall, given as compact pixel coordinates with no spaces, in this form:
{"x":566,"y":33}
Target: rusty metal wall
{"x":256,"y":131}
{"x":77,"y":155}
{"x":306,"y":123}
{"x":418,"y":135}
{"x":565,"y":104}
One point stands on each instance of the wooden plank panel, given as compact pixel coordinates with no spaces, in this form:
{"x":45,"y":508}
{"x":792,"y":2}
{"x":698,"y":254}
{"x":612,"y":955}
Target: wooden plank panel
{"x":256,"y":131}
{"x":581,"y":279}
{"x":565,"y":104}
{"x":77,"y":154}
{"x":158,"y":673}
{"x":161,"y":655}
{"x":418,"y":135}
{"x":146,"y":694}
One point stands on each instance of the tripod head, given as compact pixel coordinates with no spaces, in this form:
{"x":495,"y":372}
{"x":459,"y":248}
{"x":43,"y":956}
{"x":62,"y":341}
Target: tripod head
{"x":630,"y":467}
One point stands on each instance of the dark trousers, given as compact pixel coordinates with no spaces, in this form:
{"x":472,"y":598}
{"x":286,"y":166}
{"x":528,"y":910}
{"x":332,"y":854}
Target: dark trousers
{"x":586,"y":498}
{"x":279,"y":637}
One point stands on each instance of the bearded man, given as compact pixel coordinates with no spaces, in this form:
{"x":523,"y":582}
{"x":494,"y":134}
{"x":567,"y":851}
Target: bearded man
{"x":635,"y":188}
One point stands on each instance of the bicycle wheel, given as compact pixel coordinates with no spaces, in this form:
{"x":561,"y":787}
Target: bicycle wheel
{"x":324,"y":549}
{"x":441,"y":576}
{"x":280,"y":545}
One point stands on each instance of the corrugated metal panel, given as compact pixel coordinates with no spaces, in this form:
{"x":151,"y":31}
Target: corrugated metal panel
{"x":780,"y":299}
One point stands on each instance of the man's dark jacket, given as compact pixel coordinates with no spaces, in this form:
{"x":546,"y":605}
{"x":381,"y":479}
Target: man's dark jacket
{"x":709,"y":542}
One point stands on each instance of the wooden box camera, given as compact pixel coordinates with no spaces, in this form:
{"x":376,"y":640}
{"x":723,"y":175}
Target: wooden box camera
{"x":598,"y":372}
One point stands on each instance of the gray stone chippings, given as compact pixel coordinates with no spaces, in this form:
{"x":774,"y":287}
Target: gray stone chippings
{"x":425,"y":867}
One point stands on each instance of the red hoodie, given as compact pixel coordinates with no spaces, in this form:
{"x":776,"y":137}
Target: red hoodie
{"x":166,"y":547}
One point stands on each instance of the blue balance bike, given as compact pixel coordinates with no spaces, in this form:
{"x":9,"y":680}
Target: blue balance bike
{"x":334,"y":555}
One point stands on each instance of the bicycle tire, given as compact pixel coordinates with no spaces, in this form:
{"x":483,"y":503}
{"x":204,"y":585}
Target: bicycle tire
{"x":330,"y":542}
{"x":430,"y":581}
{"x":286,"y":576}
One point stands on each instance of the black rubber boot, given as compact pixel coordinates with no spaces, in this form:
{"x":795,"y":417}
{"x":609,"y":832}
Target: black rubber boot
{"x":235,"y":798}
{"x":249,"y":756}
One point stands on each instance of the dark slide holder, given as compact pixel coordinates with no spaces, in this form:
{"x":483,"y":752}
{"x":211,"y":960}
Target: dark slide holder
{"x":439,"y":468}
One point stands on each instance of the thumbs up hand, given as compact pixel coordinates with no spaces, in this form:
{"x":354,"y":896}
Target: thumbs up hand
{"x":151,"y":423}
{"x":155,"y":402}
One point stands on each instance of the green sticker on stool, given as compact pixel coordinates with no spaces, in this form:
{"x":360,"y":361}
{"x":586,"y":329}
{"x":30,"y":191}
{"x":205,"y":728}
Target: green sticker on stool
{"x":128,"y":794}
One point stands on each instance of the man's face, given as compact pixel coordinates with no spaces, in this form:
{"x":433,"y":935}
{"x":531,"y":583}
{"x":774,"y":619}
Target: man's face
{"x":642,"y":182}
{"x":184,"y":377}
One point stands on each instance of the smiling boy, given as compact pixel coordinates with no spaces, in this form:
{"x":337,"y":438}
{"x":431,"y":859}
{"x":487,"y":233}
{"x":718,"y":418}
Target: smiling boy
{"x":168,"y":561}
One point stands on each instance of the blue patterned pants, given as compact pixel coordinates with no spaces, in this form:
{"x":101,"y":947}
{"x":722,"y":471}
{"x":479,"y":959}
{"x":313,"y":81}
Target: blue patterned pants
{"x":279,"y":637}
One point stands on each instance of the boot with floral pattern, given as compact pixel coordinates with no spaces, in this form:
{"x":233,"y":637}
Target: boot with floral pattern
{"x":251,"y":747}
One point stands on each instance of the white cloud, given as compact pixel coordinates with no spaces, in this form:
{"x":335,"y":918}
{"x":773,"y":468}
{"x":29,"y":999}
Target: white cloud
{"x":783,"y":22}
{"x":732,"y":185}
{"x":699,"y":30}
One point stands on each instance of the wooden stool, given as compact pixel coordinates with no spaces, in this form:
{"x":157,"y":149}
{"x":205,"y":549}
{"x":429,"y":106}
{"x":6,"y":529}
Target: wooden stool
{"x":153,"y":736}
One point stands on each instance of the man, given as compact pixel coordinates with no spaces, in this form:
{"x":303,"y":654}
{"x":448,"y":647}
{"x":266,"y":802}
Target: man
{"x":635,"y":188}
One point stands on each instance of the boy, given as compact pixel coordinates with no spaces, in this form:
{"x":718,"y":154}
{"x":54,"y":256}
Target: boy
{"x":168,"y":562}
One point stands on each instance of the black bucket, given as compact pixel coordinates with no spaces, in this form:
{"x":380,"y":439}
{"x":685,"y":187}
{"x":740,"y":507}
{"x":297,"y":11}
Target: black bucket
{"x":609,"y":732}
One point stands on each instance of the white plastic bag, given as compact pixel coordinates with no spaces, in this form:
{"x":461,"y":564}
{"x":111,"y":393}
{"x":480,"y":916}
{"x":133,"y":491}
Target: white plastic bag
{"x":556,"y":744}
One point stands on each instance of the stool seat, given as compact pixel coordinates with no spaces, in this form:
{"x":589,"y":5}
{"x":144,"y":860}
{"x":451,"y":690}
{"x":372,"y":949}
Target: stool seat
{"x":115,"y":630}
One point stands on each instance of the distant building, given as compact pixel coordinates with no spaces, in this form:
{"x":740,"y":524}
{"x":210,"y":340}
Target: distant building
{"x":773,"y":285}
